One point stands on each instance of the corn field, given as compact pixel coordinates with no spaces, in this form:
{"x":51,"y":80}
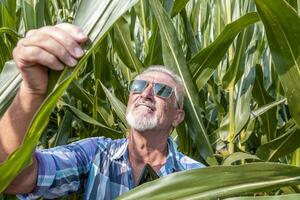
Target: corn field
{"x":240,"y":64}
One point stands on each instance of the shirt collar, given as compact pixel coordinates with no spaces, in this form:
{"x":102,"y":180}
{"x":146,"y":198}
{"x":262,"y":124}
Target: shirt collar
{"x":121,"y":150}
{"x":172,"y":162}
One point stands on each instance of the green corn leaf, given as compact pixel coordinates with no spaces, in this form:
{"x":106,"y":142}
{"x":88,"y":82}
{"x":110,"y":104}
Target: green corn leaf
{"x":4,"y":52}
{"x":95,"y":105}
{"x":79,"y":93}
{"x":174,"y":58}
{"x":242,"y":107}
{"x":102,"y":66}
{"x":96,"y":26}
{"x":237,"y":67}
{"x":117,"y":105}
{"x":204,"y":63}
{"x":189,"y":34}
{"x":8,"y":40}
{"x":123,"y":46}
{"x":262,"y":98}
{"x":10,"y":80}
{"x":243,"y":101}
{"x":261,"y":110}
{"x":6,"y":30}
{"x":293,"y":3}
{"x":88,"y":19}
{"x":281,"y":146}
{"x":217,"y":182}
{"x":195,"y":13}
{"x":238,"y":156}
{"x":142,"y":13}
{"x":64,"y":131}
{"x":8,"y":11}
{"x":33,"y":13}
{"x":178,"y":6}
{"x":278,"y":197}
{"x":84,"y":117}
{"x":154,"y":55}
{"x":282,"y":25}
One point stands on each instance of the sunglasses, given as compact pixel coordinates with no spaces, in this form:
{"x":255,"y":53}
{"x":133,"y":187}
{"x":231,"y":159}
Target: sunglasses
{"x":161,"y":90}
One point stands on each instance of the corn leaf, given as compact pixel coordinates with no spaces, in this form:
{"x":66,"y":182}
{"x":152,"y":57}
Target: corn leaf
{"x":189,"y":34}
{"x":8,"y":40}
{"x":204,"y":63}
{"x":263,"y":98}
{"x":265,"y":108}
{"x":281,"y":146}
{"x":88,"y":18}
{"x":116,"y":104}
{"x":217,"y":182}
{"x":154,"y":55}
{"x":33,"y":13}
{"x":178,"y":6}
{"x":84,"y":117}
{"x":278,"y":197}
{"x":64,"y":131}
{"x":282,"y":25}
{"x":242,"y":107}
{"x":243,"y":100}
{"x":8,"y":14}
{"x":238,"y":156}
{"x":10,"y":80}
{"x":237,"y":67}
{"x":123,"y":46}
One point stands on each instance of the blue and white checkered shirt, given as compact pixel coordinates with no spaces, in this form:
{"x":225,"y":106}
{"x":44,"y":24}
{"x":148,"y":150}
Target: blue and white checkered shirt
{"x":98,"y":167}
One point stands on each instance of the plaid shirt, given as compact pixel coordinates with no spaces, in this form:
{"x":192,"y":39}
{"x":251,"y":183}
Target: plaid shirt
{"x":99,"y":167}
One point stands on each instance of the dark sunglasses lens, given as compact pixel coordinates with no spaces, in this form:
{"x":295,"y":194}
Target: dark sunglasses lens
{"x":137,"y":85}
{"x":163,"y":90}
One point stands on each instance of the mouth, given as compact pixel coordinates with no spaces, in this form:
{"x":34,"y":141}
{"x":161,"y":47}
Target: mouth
{"x":149,"y":106}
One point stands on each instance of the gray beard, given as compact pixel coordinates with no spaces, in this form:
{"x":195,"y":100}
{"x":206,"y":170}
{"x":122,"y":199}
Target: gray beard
{"x":140,"y":122}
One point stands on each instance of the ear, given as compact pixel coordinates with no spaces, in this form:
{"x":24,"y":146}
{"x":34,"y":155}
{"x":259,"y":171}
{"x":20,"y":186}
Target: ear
{"x":179,"y":117}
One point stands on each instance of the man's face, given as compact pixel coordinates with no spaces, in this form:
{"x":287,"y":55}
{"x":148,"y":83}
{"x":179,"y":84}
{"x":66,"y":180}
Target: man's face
{"x":147,"y":111}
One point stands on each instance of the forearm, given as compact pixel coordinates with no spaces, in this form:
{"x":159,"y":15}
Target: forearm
{"x":15,"y":121}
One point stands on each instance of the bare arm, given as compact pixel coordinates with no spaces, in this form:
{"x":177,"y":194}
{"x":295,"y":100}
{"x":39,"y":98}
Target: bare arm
{"x":48,"y":47}
{"x":13,"y":127}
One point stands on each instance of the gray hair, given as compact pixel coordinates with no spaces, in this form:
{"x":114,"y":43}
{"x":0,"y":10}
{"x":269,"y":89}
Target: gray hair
{"x":179,"y":89}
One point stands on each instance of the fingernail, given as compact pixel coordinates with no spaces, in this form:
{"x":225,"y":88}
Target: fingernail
{"x":78,"y":52}
{"x":81,"y":35}
{"x":71,"y":62}
{"x":60,"y":67}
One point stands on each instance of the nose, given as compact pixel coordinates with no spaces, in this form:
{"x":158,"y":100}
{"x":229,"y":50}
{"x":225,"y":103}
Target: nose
{"x":148,"y":93}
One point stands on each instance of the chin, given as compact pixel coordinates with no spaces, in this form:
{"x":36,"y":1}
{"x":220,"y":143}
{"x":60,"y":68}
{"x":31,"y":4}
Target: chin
{"x":141,"y":121}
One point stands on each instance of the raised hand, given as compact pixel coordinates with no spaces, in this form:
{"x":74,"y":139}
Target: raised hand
{"x":48,"y":47}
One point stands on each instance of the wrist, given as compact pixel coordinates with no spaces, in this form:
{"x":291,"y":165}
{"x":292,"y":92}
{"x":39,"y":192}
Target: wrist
{"x":30,"y":101}
{"x":26,"y":91}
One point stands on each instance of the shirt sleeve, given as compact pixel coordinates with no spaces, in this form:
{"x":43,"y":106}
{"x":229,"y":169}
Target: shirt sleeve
{"x":189,"y":163}
{"x":64,"y":170}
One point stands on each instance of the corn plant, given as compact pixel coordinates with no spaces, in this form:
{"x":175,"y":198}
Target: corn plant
{"x":240,"y":66}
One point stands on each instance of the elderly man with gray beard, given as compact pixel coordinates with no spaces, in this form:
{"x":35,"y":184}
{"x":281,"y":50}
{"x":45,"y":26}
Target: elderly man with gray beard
{"x":101,"y":168}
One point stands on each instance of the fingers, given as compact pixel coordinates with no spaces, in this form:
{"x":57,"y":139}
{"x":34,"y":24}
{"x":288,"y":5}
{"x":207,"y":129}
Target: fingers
{"x":74,"y":31}
{"x":51,"y":46}
{"x":31,"y":55}
{"x":67,"y":35}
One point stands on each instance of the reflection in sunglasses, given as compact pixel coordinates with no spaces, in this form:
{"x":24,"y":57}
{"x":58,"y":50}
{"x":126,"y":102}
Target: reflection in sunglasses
{"x":160,"y":89}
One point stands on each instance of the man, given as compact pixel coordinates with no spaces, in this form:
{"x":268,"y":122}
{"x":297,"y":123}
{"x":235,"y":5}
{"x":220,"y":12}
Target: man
{"x":100,"y":167}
